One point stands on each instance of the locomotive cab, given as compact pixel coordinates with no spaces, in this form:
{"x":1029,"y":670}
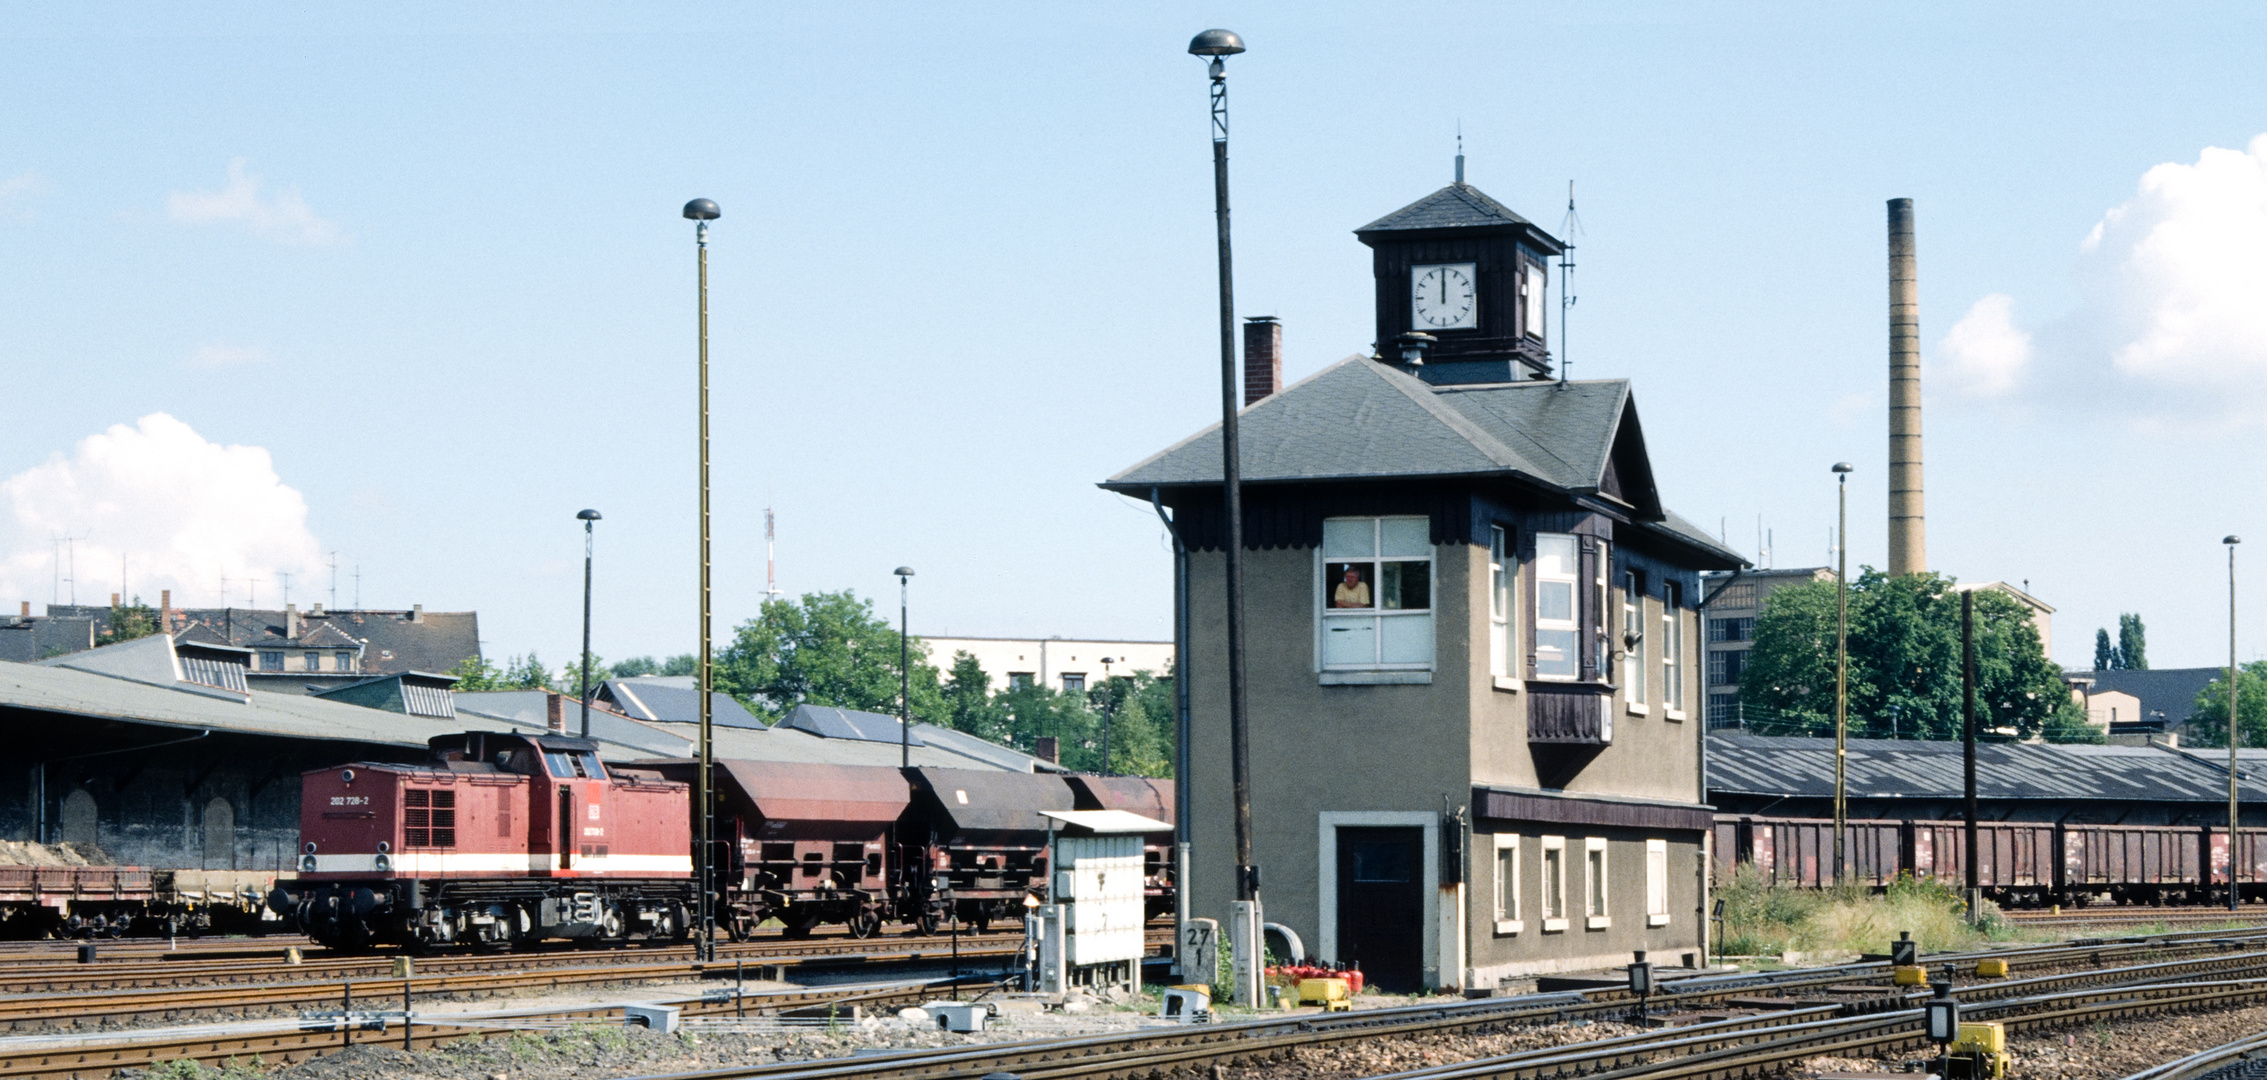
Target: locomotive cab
{"x":499,"y":838}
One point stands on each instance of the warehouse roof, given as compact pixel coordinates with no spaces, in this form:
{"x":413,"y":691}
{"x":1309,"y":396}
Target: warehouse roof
{"x":2171,"y":691}
{"x":145,"y":681}
{"x":939,"y":747}
{"x":1743,"y":764}
{"x":671,"y":698}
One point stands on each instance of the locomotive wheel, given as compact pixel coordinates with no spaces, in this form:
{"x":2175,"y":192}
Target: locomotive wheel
{"x":865,"y":923}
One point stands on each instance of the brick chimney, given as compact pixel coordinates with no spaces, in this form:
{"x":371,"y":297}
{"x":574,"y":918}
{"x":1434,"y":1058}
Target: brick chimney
{"x":27,"y":609}
{"x":1048,"y":749}
{"x":1263,"y":357}
{"x":291,"y":622}
{"x":165,"y":612}
{"x":555,"y":712}
{"x":113,"y":599}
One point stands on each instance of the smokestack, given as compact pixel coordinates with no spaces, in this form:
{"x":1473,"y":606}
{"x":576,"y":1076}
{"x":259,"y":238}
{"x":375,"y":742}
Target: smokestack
{"x":1263,"y":358}
{"x":291,"y":621}
{"x":1908,"y":534}
{"x":555,"y":713}
{"x":27,"y":609}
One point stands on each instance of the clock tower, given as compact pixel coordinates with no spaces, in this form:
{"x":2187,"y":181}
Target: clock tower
{"x":1463,"y":268}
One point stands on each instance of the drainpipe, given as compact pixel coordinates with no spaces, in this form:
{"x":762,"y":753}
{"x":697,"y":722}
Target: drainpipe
{"x":1707,"y":839}
{"x":39,"y":777}
{"x":1181,"y":794}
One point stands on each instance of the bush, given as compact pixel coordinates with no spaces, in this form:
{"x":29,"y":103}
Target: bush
{"x":1762,"y":920}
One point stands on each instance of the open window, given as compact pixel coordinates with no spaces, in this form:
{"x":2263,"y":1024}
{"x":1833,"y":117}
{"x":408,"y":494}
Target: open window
{"x":1375,"y":591}
{"x":1503,"y":643}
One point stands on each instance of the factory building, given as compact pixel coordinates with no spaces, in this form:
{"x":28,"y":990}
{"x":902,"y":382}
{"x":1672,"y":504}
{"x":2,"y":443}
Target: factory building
{"x":1472,"y":635}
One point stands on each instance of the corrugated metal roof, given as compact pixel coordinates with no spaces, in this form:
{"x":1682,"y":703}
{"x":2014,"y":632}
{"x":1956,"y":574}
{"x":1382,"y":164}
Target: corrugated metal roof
{"x":1742,"y":764}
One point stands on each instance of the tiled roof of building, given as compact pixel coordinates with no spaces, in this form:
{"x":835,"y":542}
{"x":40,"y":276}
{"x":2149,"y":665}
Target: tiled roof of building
{"x":393,"y":641}
{"x":2171,"y":691}
{"x":1744,"y":764}
{"x":1457,"y":206}
{"x":1362,"y":420}
{"x":25,"y":639}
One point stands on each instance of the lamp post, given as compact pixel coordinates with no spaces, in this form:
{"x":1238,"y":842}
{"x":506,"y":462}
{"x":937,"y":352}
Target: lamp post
{"x":2235,"y":694}
{"x":904,"y":672}
{"x":588,"y":519}
{"x":701,"y":212}
{"x":1109,"y":712}
{"x":1217,"y":46}
{"x":1842,"y":470}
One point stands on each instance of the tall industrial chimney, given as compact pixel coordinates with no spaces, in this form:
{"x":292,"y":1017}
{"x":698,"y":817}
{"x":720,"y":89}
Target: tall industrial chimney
{"x":1908,"y":533}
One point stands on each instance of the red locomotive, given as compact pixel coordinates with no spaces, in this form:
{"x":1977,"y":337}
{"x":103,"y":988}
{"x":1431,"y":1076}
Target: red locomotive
{"x":500,"y":839}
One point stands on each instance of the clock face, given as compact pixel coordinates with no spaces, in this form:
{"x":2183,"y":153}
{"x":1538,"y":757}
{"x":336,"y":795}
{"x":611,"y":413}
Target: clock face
{"x":1442,"y":296}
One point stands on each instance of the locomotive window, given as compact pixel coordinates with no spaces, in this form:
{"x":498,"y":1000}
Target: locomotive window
{"x":574,"y":764}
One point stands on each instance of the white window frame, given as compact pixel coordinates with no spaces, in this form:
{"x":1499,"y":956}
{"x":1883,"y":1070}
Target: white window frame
{"x":1378,"y":616}
{"x":1597,"y":882}
{"x":1506,"y":871}
{"x":1572,"y":624}
{"x":1554,"y":883}
{"x":1503,"y":607}
{"x":1672,"y":650}
{"x":1534,"y":294}
{"x":1656,"y":883}
{"x":1634,"y":672}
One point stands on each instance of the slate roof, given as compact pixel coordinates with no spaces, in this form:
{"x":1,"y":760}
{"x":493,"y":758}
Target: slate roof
{"x":1362,"y":420}
{"x":1743,"y":764}
{"x":2171,"y":691}
{"x":672,"y":698}
{"x":25,"y":639}
{"x":837,"y":723}
{"x":1458,"y":206}
{"x":391,"y":642}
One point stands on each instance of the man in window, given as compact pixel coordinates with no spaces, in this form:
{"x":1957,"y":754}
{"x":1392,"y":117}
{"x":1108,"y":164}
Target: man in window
{"x":1352,"y":591}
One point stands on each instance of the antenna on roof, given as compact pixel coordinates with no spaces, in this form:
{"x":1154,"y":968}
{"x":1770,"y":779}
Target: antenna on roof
{"x":1567,"y":230}
{"x":1460,"y":151}
{"x":357,"y":586}
{"x":334,"y":581}
{"x":771,"y":576}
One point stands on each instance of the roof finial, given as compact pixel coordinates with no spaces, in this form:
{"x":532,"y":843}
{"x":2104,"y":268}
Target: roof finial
{"x":1460,"y":150}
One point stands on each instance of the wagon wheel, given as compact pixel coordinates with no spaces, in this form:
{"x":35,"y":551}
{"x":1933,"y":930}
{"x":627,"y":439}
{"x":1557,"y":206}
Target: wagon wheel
{"x":925,"y":923}
{"x":865,"y":923}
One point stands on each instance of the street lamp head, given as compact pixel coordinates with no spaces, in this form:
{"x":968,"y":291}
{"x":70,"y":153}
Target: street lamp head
{"x":1216,"y":43}
{"x":903,"y":571}
{"x":702,"y":210}
{"x":589,"y":515}
{"x":2231,"y":540}
{"x":1844,"y":467}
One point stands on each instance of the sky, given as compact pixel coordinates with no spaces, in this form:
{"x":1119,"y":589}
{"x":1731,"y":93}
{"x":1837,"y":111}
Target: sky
{"x":405,"y":288}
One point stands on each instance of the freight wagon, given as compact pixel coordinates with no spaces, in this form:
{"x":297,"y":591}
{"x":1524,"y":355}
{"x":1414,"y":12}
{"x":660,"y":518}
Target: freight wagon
{"x":2018,"y":864}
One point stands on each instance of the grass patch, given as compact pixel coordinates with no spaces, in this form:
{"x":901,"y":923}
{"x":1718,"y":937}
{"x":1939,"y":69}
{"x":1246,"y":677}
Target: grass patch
{"x":1760,"y":920}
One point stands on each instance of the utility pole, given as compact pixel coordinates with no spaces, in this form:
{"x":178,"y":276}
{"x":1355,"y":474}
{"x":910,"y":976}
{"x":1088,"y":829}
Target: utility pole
{"x":1842,"y":471}
{"x":2235,"y":733}
{"x":701,"y":212}
{"x":1968,"y":735}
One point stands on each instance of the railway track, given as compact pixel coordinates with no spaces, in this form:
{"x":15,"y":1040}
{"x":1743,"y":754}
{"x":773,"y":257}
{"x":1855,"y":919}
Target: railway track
{"x":1848,"y":1004}
{"x":2133,"y":916}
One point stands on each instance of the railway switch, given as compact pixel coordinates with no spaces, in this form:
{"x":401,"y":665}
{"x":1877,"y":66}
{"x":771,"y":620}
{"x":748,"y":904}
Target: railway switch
{"x":1941,"y":1022}
{"x":1334,"y":995}
{"x":1909,"y":975}
{"x":1992,"y":968}
{"x":1980,"y":1053}
{"x":1905,"y":952}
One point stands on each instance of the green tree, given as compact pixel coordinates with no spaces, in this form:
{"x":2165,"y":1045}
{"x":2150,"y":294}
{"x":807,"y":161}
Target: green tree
{"x":2132,"y":643}
{"x":969,"y":705}
{"x":475,"y":673}
{"x":2105,"y":654}
{"x":1904,"y":676}
{"x":134,"y":620}
{"x":826,"y":649}
{"x":681,"y":664}
{"x":2208,"y":719}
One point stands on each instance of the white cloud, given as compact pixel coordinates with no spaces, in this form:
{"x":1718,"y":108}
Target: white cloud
{"x":181,"y":510}
{"x":2172,"y":279}
{"x":1985,"y":352}
{"x":222,"y":356}
{"x":284,"y":216}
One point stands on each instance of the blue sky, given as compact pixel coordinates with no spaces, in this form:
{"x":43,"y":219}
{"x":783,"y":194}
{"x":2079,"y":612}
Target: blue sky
{"x":428,"y":262}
